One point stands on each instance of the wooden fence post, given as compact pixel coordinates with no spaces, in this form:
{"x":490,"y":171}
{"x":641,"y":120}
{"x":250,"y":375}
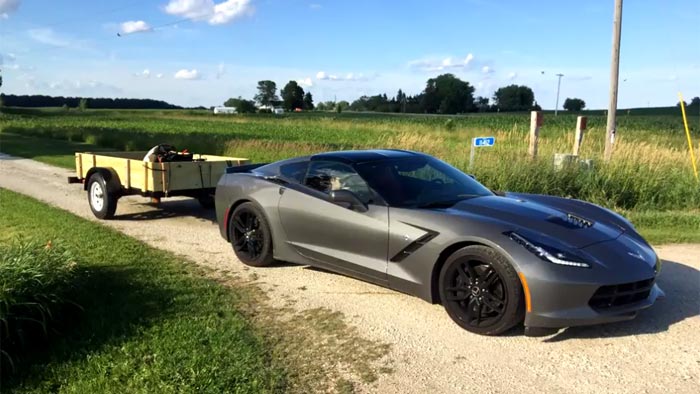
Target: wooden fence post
{"x":535,"y":124}
{"x":581,"y":122}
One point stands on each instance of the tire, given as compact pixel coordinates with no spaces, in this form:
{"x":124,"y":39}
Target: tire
{"x":101,"y":197}
{"x":206,"y":201}
{"x":481,"y":291}
{"x":250,"y":236}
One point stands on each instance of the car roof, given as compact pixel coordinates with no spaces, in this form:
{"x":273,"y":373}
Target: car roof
{"x":363,"y":156}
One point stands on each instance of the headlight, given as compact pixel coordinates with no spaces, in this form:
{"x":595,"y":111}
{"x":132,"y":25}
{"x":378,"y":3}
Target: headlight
{"x":548,"y":253}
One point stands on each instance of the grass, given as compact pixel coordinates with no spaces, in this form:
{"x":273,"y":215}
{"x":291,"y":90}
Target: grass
{"x":649,"y":171}
{"x":649,"y":180}
{"x":147,"y":321}
{"x":34,"y":279}
{"x":143,"y":320}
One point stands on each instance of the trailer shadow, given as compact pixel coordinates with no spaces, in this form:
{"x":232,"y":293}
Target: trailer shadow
{"x":166,"y":209}
{"x":680,"y":282}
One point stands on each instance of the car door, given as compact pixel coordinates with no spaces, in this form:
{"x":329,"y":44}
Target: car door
{"x":333,"y":236}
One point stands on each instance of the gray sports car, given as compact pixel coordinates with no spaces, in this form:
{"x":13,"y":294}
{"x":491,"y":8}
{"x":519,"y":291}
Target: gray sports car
{"x":410,"y":222}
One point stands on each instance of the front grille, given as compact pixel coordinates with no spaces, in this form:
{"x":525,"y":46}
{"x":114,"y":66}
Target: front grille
{"x":614,"y":296}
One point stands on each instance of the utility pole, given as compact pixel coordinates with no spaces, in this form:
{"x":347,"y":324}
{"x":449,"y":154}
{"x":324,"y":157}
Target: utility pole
{"x":556,"y":107}
{"x":614,"y":77}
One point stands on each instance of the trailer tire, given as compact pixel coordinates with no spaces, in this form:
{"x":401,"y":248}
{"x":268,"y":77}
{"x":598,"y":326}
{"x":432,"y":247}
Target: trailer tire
{"x":102,"y":197}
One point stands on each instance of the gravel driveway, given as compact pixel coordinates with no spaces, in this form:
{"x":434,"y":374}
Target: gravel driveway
{"x":659,"y":352}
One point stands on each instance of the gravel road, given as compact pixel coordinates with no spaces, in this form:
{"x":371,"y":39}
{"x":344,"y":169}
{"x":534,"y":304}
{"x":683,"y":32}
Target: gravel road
{"x":657,"y":352}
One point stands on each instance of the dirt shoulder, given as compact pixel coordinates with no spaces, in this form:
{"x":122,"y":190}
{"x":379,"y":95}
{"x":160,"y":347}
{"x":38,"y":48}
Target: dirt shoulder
{"x":657,"y":352}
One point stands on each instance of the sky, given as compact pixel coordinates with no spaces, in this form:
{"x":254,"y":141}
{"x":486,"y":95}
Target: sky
{"x":201,"y":52}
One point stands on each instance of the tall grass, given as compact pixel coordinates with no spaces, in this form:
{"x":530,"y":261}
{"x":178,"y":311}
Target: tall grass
{"x":34,"y":281}
{"x":650,"y":169}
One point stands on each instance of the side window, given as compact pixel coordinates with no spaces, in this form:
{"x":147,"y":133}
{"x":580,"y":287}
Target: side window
{"x":294,"y":171}
{"x":326,"y":176}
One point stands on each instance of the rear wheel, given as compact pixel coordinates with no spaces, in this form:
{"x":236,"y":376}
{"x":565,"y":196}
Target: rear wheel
{"x":103,"y":201}
{"x":250,"y":236}
{"x":480,"y":291}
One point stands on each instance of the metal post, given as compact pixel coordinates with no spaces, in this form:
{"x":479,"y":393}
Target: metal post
{"x":535,"y":123}
{"x":614,"y":77}
{"x":556,"y":107}
{"x":471,"y":155}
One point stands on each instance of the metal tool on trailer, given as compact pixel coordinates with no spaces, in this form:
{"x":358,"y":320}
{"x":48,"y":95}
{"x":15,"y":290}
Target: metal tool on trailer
{"x":108,"y":176}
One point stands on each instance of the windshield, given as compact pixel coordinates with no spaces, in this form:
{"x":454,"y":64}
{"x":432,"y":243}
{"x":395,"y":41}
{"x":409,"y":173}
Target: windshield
{"x":420,"y":182}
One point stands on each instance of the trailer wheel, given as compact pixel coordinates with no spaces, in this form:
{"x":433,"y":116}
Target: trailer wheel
{"x":103,"y":202}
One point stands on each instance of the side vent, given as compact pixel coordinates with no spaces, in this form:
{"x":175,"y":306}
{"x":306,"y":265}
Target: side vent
{"x":415,"y":245}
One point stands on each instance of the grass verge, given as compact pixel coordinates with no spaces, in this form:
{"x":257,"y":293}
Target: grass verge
{"x":146,"y":323}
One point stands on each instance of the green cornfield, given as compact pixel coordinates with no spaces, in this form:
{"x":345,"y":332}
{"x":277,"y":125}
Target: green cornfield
{"x":650,"y":170}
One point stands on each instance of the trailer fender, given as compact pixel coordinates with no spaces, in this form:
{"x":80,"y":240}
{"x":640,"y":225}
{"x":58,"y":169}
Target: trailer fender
{"x":113,"y":183}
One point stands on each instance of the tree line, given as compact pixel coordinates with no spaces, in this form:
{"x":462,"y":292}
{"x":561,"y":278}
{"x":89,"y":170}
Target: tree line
{"x":37,"y":101}
{"x":444,"y":94}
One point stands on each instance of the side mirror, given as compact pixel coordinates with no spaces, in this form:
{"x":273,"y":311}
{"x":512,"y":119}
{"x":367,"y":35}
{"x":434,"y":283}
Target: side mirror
{"x":472,"y":176}
{"x":348,"y":199}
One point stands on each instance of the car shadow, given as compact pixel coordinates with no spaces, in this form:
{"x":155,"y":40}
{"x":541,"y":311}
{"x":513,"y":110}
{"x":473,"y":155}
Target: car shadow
{"x":680,"y":282}
{"x":170,"y":209}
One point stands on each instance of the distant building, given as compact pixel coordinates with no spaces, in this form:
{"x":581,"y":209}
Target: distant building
{"x":278,"y":111}
{"x":225,"y":110}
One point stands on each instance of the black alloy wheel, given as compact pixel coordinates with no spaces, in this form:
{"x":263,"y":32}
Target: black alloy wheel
{"x":481,"y":291}
{"x":250,"y":236}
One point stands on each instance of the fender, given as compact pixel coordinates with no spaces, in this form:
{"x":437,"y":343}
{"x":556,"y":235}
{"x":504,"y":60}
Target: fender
{"x":110,"y":176}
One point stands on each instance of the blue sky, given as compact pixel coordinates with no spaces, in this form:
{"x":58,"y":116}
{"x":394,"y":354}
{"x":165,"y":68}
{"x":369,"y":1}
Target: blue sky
{"x":200,"y":52}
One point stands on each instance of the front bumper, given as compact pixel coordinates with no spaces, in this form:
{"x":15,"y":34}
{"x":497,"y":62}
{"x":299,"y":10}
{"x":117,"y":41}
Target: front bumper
{"x":569,"y":315}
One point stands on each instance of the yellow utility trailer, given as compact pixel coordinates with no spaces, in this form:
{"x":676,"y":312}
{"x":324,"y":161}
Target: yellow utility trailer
{"x":107,"y":176}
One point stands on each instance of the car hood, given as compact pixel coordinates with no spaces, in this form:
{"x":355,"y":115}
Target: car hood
{"x":571,"y":228}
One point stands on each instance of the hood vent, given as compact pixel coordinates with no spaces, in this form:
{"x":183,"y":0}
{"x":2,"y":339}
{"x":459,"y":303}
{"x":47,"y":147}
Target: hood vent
{"x":579,"y":221}
{"x":570,"y":221}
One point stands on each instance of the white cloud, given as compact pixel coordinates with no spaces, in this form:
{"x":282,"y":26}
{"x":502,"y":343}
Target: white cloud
{"x":487,"y":70}
{"x":7,"y":7}
{"x":48,"y":37}
{"x":159,"y":75}
{"x":187,"y":74}
{"x":512,"y":76}
{"x":306,"y":82}
{"x":220,"y":70}
{"x":323,"y":76}
{"x":207,"y":10}
{"x":134,"y":27}
{"x":447,"y":63}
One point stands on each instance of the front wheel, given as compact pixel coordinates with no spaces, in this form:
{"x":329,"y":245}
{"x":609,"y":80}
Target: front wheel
{"x":103,"y":202}
{"x":250,"y":236}
{"x":480,"y":291}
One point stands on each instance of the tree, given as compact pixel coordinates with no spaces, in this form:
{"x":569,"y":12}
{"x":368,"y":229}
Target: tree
{"x":292,"y":96}
{"x":574,"y":104}
{"x":447,"y":94}
{"x":482,"y":104}
{"x":514,"y":98}
{"x":267,"y":93}
{"x":242,"y":105}
{"x":308,"y":101}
